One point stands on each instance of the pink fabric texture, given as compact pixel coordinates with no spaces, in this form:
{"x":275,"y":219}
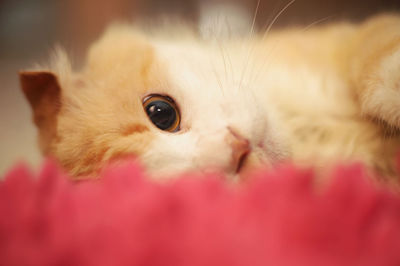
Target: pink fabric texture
{"x":279,"y":218}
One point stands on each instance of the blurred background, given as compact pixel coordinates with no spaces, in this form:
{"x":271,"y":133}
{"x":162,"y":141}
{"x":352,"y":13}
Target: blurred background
{"x":29,"y":29}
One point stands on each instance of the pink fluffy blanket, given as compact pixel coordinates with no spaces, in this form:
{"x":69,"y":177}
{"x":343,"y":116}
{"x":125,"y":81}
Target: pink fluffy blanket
{"x":124,"y":219}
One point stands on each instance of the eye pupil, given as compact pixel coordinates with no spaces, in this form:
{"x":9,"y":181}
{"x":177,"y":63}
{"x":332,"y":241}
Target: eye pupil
{"x":162,"y":113}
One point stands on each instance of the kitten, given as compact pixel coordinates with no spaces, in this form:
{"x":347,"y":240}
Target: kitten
{"x":180,"y":103}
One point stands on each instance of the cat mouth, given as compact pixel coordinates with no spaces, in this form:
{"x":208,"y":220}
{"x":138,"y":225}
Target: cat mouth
{"x":241,"y":162}
{"x":249,"y":162}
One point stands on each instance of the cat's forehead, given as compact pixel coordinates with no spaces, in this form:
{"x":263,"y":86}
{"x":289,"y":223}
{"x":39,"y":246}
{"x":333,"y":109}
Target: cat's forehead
{"x":198,"y":78}
{"x":200,"y":68}
{"x":203,"y":60}
{"x":194,"y":63}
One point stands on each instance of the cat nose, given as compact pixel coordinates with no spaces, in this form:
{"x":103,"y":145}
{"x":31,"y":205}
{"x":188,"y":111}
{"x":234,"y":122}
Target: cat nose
{"x":240,"y":148}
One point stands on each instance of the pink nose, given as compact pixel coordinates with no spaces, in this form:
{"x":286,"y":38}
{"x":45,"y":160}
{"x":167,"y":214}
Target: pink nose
{"x":240,"y":148}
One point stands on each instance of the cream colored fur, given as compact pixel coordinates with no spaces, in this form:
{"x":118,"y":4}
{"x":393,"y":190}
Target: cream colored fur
{"x":314,"y":96}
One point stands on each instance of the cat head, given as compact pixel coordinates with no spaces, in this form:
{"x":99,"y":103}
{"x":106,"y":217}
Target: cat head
{"x":177,"y":105}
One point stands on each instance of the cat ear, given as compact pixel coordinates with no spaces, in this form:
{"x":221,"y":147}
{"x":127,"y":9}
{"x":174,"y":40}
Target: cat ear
{"x":43,"y":92}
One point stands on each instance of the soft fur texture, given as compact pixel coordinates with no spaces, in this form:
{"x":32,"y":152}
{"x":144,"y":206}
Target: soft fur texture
{"x":280,"y":218}
{"x":309,"y":95}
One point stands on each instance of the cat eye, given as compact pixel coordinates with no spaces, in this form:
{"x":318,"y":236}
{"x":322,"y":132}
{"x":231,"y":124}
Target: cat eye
{"x":162,"y":112}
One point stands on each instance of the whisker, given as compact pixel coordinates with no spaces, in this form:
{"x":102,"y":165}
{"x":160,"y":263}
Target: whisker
{"x":223,"y":60}
{"x":254,"y":18}
{"x":304,"y":29}
{"x":228,"y":57}
{"x":317,"y":22}
{"x":216,"y":22}
{"x":267,"y":31}
{"x":218,"y":80}
{"x":250,"y":51}
{"x":252,"y":48}
{"x":276,"y":18}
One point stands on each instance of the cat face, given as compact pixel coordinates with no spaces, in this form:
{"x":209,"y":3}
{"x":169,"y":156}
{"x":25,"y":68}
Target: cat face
{"x":176,"y":106}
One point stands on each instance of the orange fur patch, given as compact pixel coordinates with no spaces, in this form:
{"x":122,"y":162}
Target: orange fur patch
{"x":134,"y":128}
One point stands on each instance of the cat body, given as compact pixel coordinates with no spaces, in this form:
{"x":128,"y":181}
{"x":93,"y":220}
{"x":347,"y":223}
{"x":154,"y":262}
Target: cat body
{"x":314,"y":96}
